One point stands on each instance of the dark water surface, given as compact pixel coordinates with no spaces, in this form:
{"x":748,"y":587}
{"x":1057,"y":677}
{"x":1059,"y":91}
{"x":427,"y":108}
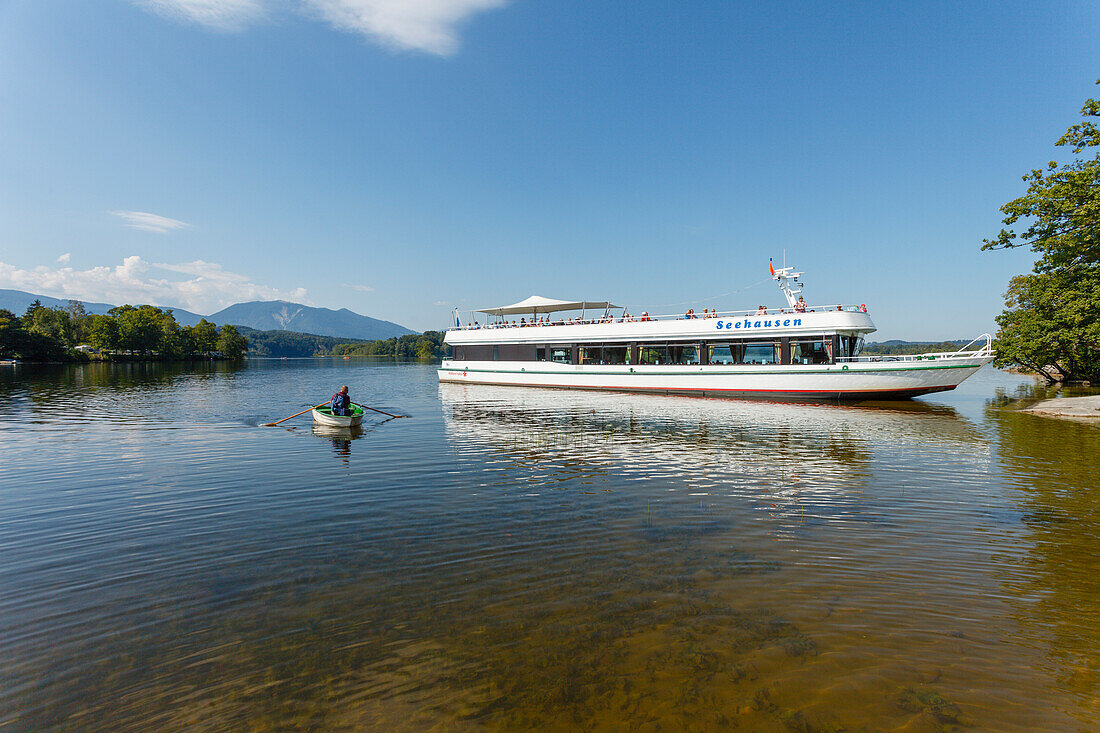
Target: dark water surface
{"x":519,"y":559}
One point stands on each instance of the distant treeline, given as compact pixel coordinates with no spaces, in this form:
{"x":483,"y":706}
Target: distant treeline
{"x":427,"y":345}
{"x":290,"y":344}
{"x":910,"y":347}
{"x":125,"y":332}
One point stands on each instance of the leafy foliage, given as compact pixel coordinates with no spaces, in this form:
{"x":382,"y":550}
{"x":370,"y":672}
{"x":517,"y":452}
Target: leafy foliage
{"x":909,"y":347}
{"x":1051,"y":325}
{"x":145,"y":331}
{"x":427,"y":345}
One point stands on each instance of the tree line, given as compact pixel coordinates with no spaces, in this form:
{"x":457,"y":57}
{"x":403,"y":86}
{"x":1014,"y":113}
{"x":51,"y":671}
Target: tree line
{"x":910,"y":347}
{"x":1051,"y":323}
{"x":427,"y":345}
{"x":293,"y":344}
{"x":127,"y":331}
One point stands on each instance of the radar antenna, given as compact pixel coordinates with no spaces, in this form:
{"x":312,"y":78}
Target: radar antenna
{"x":788,"y":280}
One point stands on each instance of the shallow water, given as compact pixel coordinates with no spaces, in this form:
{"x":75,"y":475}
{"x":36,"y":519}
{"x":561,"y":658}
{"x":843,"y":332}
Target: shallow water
{"x":514,"y":558}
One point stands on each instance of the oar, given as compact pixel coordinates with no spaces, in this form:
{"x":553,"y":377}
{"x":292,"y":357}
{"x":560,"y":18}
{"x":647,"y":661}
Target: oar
{"x":273,"y":424}
{"x":382,"y":411}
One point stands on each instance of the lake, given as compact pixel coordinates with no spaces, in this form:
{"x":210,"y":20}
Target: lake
{"x":513,"y":558}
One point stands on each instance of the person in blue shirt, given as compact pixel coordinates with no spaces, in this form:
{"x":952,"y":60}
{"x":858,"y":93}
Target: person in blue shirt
{"x":341,"y":402}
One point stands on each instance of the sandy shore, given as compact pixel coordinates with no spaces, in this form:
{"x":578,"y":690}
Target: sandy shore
{"x":1068,"y":407}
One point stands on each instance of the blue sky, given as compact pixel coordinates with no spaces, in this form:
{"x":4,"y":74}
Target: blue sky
{"x":399,"y":157}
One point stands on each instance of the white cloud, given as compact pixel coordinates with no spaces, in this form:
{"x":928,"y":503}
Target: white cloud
{"x":360,"y":288}
{"x":420,"y":25}
{"x":64,"y":259}
{"x":441,"y":302}
{"x":205,"y":288}
{"x":147,"y":222}
{"x":226,"y":15}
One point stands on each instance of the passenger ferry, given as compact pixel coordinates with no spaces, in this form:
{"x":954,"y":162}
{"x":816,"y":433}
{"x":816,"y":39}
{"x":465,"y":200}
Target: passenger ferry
{"x":798,"y":352}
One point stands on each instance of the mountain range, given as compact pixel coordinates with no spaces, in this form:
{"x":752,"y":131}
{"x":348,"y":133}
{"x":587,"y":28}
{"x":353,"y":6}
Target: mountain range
{"x":275,"y":315}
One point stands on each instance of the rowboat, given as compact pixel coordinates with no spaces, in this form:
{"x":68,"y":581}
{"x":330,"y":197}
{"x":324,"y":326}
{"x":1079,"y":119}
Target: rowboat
{"x":324,"y":416}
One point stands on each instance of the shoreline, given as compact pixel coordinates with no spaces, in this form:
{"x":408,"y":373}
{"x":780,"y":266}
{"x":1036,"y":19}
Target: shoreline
{"x":1087,"y":407}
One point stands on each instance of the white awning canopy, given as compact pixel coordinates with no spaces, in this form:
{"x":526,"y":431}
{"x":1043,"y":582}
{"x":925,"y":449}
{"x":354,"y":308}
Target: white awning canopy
{"x":537,"y":304}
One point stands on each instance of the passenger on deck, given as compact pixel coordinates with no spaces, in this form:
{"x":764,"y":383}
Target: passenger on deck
{"x":800,"y":306}
{"x":645,"y":316}
{"x":341,"y":402}
{"x":761,"y":311}
{"x":862,"y":307}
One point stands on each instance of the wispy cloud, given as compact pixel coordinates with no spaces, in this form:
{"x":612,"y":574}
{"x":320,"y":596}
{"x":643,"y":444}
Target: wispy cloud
{"x":224,"y":15}
{"x":360,"y":288}
{"x":147,"y":222}
{"x":430,"y":26}
{"x":206,"y":286}
{"x":64,"y":259}
{"x":441,"y":302}
{"x":420,"y":25}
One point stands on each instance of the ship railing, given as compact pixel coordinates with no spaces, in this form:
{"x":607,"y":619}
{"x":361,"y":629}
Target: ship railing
{"x":771,"y":313}
{"x":964,"y":352}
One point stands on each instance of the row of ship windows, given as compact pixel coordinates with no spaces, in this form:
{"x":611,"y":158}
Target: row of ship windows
{"x":813,"y":350}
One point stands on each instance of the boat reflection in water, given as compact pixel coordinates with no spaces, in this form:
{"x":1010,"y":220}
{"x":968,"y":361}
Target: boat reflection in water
{"x":341,"y":437}
{"x":788,"y":454}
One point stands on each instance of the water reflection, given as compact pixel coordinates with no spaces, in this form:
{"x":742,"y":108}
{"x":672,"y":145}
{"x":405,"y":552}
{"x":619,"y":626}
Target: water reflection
{"x":339,"y":437}
{"x":781,"y":454}
{"x":1054,"y":465}
{"x":523,"y":559}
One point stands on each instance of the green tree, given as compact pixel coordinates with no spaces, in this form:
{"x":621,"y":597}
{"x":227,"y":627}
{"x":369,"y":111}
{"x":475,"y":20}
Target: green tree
{"x":78,"y":321}
{"x":231,"y":344}
{"x":11,"y":334}
{"x":102,"y":332}
{"x":1051,"y":325}
{"x":140,"y":329}
{"x":52,"y":323}
{"x":425,"y":349}
{"x":205,"y":336}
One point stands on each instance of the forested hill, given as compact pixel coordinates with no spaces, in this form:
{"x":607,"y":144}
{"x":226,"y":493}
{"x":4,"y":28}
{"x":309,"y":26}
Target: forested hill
{"x":281,"y":315}
{"x":291,"y":344}
{"x":259,"y":315}
{"x":895,"y":347}
{"x":17,"y":301}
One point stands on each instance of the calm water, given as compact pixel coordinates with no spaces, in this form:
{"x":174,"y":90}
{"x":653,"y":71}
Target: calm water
{"x":518,"y":559}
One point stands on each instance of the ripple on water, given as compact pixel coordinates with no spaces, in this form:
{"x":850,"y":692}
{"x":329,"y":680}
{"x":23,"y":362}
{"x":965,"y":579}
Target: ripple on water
{"x":514,"y":558}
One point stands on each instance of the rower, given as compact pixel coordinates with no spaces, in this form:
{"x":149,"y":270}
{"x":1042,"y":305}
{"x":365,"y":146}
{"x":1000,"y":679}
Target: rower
{"x":341,"y":402}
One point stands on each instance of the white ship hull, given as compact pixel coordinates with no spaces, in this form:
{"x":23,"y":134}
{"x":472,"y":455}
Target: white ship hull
{"x":855,"y":380}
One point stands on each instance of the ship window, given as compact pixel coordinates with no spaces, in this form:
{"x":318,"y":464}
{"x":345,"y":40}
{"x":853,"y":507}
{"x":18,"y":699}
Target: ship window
{"x":850,"y":345}
{"x":496,"y":353}
{"x":810,"y":351}
{"x":616,"y":355}
{"x":684,"y":353}
{"x":604,"y":355}
{"x":761,"y":353}
{"x":459,"y":353}
{"x":561,"y":354}
{"x":726,"y":353}
{"x":655,"y":354}
{"x":540,"y":353}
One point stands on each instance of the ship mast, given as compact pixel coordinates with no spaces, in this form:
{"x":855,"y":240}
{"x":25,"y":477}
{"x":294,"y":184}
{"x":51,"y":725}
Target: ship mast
{"x":788,"y":280}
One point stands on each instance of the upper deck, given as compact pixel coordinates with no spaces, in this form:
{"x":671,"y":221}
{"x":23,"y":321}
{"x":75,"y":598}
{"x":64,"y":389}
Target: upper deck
{"x":849,"y":320}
